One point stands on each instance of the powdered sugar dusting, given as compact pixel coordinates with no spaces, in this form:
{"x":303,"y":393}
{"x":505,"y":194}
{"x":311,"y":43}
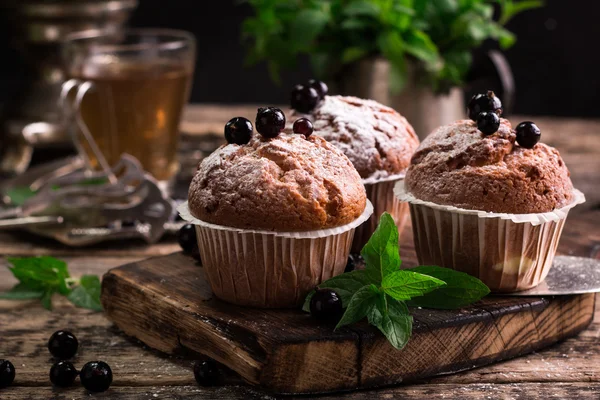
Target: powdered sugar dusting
{"x":458,"y":166}
{"x":377,"y":139}
{"x":286,"y":183}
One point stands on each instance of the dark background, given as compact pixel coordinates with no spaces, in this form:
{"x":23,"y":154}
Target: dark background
{"x":555,"y":60}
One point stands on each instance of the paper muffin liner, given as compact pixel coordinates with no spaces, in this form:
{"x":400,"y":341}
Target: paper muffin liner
{"x":380,"y":191}
{"x":508,"y":252}
{"x":266,"y":269}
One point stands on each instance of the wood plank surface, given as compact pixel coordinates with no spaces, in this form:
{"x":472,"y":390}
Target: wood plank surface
{"x":567,"y":370}
{"x":166,"y":302}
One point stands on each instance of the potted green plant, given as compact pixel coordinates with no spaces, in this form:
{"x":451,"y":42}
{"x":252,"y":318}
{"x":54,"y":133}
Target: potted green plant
{"x":404,"y":53}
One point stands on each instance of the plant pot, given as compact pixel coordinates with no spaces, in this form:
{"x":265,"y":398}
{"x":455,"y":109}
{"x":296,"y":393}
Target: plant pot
{"x":369,"y":78}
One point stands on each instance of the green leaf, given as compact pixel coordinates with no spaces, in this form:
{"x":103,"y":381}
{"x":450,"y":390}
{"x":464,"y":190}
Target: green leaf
{"x":460,"y":290}
{"x":346,"y":285}
{"x":21,"y":292}
{"x":510,"y":9}
{"x":381,"y":253}
{"x":306,"y":305}
{"x":39,"y":273}
{"x":391,"y":45}
{"x":87,"y":294}
{"x":404,"y":284}
{"x":306,"y":27}
{"x":360,"y":304}
{"x":394,"y":322}
{"x":47,"y":299}
{"x":362,"y":8}
{"x":353,"y":54}
{"x":18,"y":195}
{"x":422,"y":47}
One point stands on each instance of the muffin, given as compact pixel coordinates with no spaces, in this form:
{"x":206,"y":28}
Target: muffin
{"x":275,"y":216}
{"x":489,"y":204}
{"x":378,"y":141}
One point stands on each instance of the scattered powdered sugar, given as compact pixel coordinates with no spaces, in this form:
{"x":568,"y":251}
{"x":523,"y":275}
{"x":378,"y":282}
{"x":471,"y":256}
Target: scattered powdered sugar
{"x":375,"y":138}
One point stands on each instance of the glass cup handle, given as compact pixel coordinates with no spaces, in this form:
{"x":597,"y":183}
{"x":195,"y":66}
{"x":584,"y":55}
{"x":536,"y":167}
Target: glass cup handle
{"x":72,"y":111}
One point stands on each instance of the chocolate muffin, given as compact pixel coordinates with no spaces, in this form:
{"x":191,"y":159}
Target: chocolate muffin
{"x":456,"y":165}
{"x":289,"y":183}
{"x":275,"y":213}
{"x":378,"y":141}
{"x":488,"y":200}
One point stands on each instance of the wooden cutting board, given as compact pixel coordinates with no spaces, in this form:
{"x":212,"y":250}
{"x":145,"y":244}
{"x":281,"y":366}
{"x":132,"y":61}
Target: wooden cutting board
{"x":167,"y":303}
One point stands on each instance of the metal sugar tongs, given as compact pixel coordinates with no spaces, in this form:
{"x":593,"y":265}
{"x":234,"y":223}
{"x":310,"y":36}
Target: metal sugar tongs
{"x":77,"y":206}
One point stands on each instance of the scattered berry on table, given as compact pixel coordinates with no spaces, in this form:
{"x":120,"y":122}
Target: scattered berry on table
{"x":96,"y":376}
{"x":304,"y":98}
{"x":270,"y":121}
{"x":484,"y":102}
{"x":326,"y":305}
{"x":488,"y":122}
{"x":206,"y":372}
{"x":319,"y":86}
{"x":528,"y":134}
{"x":187,"y":238}
{"x":303,"y":126}
{"x":7,"y":373}
{"x":63,"y":374}
{"x":63,"y":345}
{"x":238,"y":130}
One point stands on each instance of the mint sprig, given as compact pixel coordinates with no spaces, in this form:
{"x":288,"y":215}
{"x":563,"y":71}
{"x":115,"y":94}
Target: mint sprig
{"x":42,"y":277}
{"x":382,"y":291}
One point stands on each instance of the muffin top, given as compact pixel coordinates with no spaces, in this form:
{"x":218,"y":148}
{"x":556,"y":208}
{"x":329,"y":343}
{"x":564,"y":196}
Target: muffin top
{"x":377,"y":139}
{"x":457,"y":165}
{"x":287,"y":183}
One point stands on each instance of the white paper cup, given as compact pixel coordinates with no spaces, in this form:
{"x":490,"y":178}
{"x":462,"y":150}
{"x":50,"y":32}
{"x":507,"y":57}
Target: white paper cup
{"x":381,"y":194}
{"x":508,"y":252}
{"x":267,"y":269}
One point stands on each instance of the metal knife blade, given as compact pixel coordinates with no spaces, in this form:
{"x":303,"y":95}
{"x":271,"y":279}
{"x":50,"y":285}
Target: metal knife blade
{"x":568,"y":275}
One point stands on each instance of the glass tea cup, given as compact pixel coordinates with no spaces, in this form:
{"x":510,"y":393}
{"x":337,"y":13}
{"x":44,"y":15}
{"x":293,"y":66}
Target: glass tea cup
{"x":126,"y":92}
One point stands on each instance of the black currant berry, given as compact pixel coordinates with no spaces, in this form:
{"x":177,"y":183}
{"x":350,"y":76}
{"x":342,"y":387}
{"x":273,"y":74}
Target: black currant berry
{"x":319,"y":86}
{"x":528,"y":134}
{"x":96,"y":376}
{"x":238,"y":130}
{"x":270,"y":121}
{"x":206,"y":372}
{"x":304,"y":99}
{"x":484,"y":103}
{"x":7,"y":373}
{"x":187,"y":238}
{"x":488,"y":122}
{"x":354,"y":260}
{"x":303,"y":126}
{"x":63,"y":374}
{"x":63,"y":345}
{"x":326,"y":305}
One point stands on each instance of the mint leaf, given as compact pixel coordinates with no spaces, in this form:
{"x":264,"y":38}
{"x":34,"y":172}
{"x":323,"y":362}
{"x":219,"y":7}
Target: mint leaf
{"x":345,"y":285}
{"x":21,"y":292}
{"x":87,"y":294}
{"x":47,"y":299}
{"x":40,"y":273}
{"x":404,"y":285}
{"x":396,"y":323}
{"x":360,"y":304}
{"x":460,"y":290}
{"x":307,"y":25}
{"x":381,"y":253}
{"x":41,"y":277}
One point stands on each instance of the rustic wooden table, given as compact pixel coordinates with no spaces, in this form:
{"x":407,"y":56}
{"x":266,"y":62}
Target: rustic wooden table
{"x":570,"y":369}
